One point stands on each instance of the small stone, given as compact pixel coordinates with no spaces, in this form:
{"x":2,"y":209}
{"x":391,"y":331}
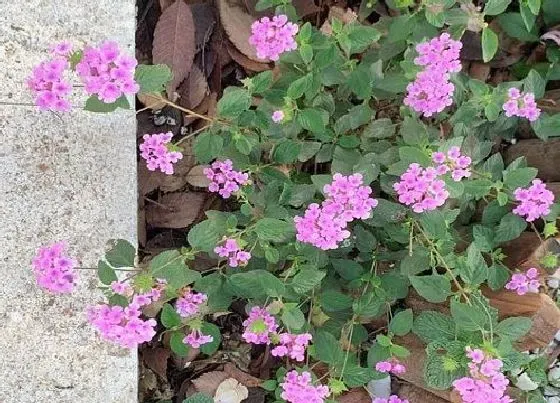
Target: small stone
{"x":380,"y":387}
{"x":525,"y":383}
{"x":553,"y":282}
{"x":553,"y":399}
{"x":550,"y":391}
{"x":554,"y":374}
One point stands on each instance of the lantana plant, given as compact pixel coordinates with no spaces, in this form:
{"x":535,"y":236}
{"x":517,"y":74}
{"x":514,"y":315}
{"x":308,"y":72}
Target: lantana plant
{"x":361,"y":172}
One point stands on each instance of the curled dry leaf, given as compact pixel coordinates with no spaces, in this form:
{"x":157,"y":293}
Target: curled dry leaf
{"x":208,"y":382}
{"x":231,"y":391}
{"x":193,"y":89}
{"x":174,"y":42}
{"x":356,"y":396}
{"x":244,"y":61}
{"x":175,"y":210}
{"x":237,"y":23}
{"x":243,"y":377}
{"x":552,"y":36}
{"x":197,"y":178}
{"x":156,"y":360}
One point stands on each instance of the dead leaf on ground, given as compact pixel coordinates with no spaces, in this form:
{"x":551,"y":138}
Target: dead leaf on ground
{"x":244,"y":61}
{"x":151,"y":100}
{"x":175,"y":210}
{"x":552,"y":36}
{"x":231,"y":391}
{"x":346,"y":16}
{"x":202,"y":109}
{"x":242,"y":377}
{"x":196,"y":176}
{"x":355,"y":396}
{"x":208,"y":382}
{"x":174,"y":42}
{"x":204,"y":22}
{"x":193,"y":89}
{"x":237,"y":23}
{"x":163,"y":4}
{"x":156,"y":360}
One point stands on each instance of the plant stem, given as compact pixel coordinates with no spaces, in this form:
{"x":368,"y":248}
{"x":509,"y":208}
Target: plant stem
{"x":187,"y":111}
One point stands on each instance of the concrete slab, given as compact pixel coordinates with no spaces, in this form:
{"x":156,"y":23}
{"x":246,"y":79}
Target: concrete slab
{"x":69,"y":177}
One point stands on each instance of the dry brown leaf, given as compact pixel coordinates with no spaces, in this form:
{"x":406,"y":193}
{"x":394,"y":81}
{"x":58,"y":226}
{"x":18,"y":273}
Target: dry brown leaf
{"x":552,"y":36}
{"x":204,"y":22}
{"x":231,"y":391}
{"x":197,"y":178}
{"x":355,"y":396}
{"x":346,"y":16}
{"x":193,"y":90}
{"x":151,"y":100}
{"x":156,"y":360}
{"x":244,"y":61}
{"x":175,"y":210}
{"x":237,"y":23}
{"x":243,"y":377}
{"x":174,"y":41}
{"x":163,"y":4}
{"x":208,"y":382}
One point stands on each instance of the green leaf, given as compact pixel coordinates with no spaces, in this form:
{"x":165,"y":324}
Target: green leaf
{"x":300,"y":86}
{"x":286,"y":152}
{"x":205,"y":235}
{"x":489,"y":44}
{"x":211,"y":330}
{"x":513,"y":25}
{"x":199,"y":398}
{"x":106,"y":273}
{"x":234,"y":101}
{"x":273,"y":229}
{"x":177,"y":345}
{"x":327,"y":348}
{"x":511,"y":226}
{"x":269,"y":385}
{"x":547,"y":126}
{"x":360,"y":37}
{"x":436,"y":372}
{"x":293,"y":317}
{"x":468,"y":317}
{"x":368,"y":305}
{"x":307,"y":279}
{"x":311,"y":119}
{"x":411,"y":155}
{"x":332,"y":301}
{"x":495,"y":7}
{"x":535,"y":83}
{"x":434,"y":288}
{"x":169,"y":317}
{"x":207,"y":146}
{"x":355,"y":376}
{"x":413,"y":131}
{"x":261,"y":82}
{"x":475,"y":270}
{"x":94,"y":104}
{"x":434,"y":224}
{"x":257,"y":283}
{"x":513,"y":328}
{"x":170,"y":265}
{"x":119,"y":300}
{"x":498,"y":276}
{"x":519,"y":177}
{"x":121,"y":253}
{"x":483,"y":238}
{"x":348,"y":269}
{"x":431,"y":326}
{"x":527,"y":16}
{"x":401,"y":323}
{"x":152,"y":78}
{"x":415,"y":264}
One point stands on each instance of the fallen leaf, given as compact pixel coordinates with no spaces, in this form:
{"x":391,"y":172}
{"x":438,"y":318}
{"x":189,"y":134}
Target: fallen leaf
{"x":480,"y":71}
{"x":204,"y":22}
{"x":345,"y":16}
{"x":231,"y":391}
{"x":244,"y":61}
{"x":163,"y":4}
{"x":193,"y":89}
{"x":356,"y":396}
{"x":175,"y":210}
{"x":208,"y":382}
{"x":237,"y":23}
{"x":156,"y":360}
{"x":151,"y":100}
{"x":174,"y":42}
{"x":201,"y":109}
{"x":552,"y":36}
{"x":243,"y":377}
{"x":196,"y":176}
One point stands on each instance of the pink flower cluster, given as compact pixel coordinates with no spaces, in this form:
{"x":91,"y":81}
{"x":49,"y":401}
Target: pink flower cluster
{"x":521,"y":104}
{"x":259,"y":326}
{"x":155,"y":151}
{"x":523,"y":283}
{"x":420,"y":188}
{"x":189,"y":303}
{"x":234,"y":254}
{"x":390,"y":399}
{"x":277,"y":116}
{"x":122,"y":288}
{"x":432,"y":91}
{"x":393,"y":366}
{"x":486,"y":383}
{"x":195,"y":339}
{"x":122,"y":326}
{"x":534,"y":202}
{"x":53,"y":270}
{"x":292,"y":345}
{"x":298,"y":388}
{"x":325,"y":226}
{"x":272,"y":37}
{"x":107,"y":72}
{"x":454,"y":162}
{"x":50,"y":89}
{"x":224,"y":180}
